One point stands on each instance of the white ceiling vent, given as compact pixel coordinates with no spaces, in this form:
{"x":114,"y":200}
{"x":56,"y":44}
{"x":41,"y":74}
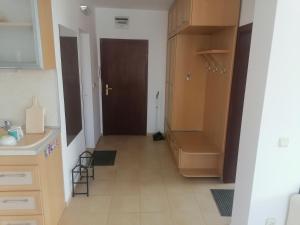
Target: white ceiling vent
{"x":122,"y":22}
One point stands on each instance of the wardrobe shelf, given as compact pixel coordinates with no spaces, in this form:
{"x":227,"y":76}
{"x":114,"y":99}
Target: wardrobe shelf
{"x":194,"y":154}
{"x":195,"y":142}
{"x":213,"y":51}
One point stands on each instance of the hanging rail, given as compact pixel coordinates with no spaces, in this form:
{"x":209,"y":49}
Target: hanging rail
{"x":212,"y":64}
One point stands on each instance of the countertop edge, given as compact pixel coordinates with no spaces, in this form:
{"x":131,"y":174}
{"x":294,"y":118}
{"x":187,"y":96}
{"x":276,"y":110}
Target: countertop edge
{"x":35,"y":150}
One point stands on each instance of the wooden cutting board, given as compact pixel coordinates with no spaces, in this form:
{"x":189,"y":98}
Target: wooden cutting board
{"x":35,"y":118}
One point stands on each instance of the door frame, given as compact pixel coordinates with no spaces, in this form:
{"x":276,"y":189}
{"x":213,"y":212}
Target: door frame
{"x":87,"y":86}
{"x":101,"y":80}
{"x":228,"y":176}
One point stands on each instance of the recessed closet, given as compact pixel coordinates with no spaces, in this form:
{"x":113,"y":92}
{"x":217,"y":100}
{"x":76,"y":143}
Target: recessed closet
{"x":201,"y":46}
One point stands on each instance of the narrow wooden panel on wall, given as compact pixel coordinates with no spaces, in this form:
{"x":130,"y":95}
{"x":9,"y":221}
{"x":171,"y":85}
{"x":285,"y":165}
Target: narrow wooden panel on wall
{"x":47,"y":38}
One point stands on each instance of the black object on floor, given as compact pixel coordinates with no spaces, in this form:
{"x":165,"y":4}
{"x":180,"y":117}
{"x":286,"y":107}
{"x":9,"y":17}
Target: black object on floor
{"x":224,"y":201}
{"x":158,"y":136}
{"x":104,"y":158}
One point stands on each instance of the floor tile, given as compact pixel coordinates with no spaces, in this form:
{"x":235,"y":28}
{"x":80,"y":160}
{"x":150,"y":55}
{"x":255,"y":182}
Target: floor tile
{"x":124,"y":219}
{"x":154,"y":203}
{"x":93,"y":204}
{"x":211,"y":218}
{"x":126,"y":188}
{"x":183,"y":203}
{"x":188,"y":218}
{"x":98,"y":187}
{"x":125,"y":204}
{"x":155,"y":219}
{"x":105,"y":172}
{"x":152,"y":188}
{"x":71,"y":217}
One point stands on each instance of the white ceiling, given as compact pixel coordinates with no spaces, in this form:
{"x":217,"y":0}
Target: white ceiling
{"x":134,"y":4}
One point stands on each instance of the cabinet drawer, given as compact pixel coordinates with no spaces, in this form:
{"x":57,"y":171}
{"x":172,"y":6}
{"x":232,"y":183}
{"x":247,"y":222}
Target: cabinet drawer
{"x":14,"y":178}
{"x":21,"y":220}
{"x":20,"y":203}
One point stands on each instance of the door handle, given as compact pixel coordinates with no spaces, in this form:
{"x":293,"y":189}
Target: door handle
{"x":13,"y":175}
{"x":107,"y":89}
{"x":5,"y":201}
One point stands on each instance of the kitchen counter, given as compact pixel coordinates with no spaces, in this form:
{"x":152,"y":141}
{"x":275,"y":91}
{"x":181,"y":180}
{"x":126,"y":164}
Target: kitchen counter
{"x":31,"y":178}
{"x":31,"y":144}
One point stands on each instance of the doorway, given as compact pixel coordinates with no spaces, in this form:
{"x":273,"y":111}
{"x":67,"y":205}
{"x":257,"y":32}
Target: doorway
{"x":124,"y":69}
{"x":237,"y":103}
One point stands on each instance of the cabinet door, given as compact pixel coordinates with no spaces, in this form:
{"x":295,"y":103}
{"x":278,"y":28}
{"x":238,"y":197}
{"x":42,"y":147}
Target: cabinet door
{"x":183,"y":13}
{"x":170,"y":20}
{"x":215,"y":12}
{"x":19,"y":45}
{"x":173,"y":19}
{"x":187,"y":10}
{"x":167,"y":82}
{"x":26,"y":34}
{"x":172,"y":60}
{"x":170,"y":89}
{"x":52,"y":180}
{"x":180,"y":12}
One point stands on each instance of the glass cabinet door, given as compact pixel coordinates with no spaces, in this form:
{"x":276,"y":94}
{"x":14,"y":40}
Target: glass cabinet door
{"x":19,"y":39}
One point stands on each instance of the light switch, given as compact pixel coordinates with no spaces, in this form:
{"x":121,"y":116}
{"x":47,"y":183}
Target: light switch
{"x":283,"y":142}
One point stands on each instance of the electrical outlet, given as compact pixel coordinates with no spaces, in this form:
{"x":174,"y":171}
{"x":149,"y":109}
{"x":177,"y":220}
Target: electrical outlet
{"x":271,"y":221}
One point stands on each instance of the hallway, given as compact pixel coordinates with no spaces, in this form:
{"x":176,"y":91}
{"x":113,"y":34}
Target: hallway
{"x":144,"y":188}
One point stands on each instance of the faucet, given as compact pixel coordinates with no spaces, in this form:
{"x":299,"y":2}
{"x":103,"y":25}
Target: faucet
{"x":6,"y":125}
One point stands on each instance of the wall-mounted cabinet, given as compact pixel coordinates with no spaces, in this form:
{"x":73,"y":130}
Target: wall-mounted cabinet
{"x":26,"y":34}
{"x":202,"y":13}
{"x":184,"y":9}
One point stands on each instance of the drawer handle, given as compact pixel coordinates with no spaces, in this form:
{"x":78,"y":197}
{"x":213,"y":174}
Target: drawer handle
{"x":14,"y":200}
{"x":19,"y":223}
{"x":13,"y":175}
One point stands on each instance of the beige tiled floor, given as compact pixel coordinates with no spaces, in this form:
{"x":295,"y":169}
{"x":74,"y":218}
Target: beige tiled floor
{"x":144,"y":188}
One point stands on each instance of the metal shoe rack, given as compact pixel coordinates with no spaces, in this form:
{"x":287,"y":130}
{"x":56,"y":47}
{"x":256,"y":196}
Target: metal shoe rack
{"x":85,"y":170}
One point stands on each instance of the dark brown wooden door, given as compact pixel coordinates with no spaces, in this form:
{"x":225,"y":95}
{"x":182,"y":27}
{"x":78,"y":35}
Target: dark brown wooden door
{"x":124,"y":66}
{"x":237,"y":103}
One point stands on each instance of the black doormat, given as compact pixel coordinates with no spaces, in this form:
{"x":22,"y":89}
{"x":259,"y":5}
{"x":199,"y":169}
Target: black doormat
{"x":224,"y":201}
{"x":104,"y":158}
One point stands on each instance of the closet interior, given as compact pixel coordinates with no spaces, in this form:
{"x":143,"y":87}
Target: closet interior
{"x":201,"y":47}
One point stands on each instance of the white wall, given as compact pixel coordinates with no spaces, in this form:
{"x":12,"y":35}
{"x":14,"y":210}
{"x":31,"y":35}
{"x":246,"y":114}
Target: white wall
{"x":247,"y":12}
{"x":67,"y":13}
{"x":17,"y":87}
{"x":147,"y":25}
{"x":267,"y":174}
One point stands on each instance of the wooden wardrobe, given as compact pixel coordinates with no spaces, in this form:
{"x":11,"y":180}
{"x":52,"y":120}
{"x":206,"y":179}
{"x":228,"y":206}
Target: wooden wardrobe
{"x":202,"y":38}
